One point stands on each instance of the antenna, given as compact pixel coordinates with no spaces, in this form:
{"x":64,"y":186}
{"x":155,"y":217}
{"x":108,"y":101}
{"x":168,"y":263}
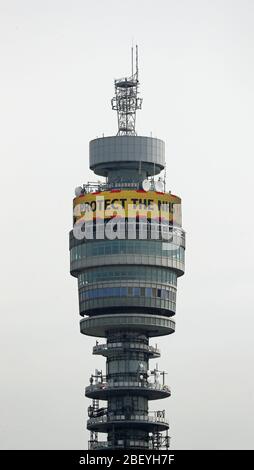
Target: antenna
{"x":165,"y":173}
{"x":132,"y":60}
{"x":137,"y":62}
{"x":126,"y":101}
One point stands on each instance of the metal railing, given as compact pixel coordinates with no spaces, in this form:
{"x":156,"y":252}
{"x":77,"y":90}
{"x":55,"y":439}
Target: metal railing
{"x":127,"y":384}
{"x":132,"y":345}
{"x":130,"y":444}
{"x":154,"y":417}
{"x":107,"y":186}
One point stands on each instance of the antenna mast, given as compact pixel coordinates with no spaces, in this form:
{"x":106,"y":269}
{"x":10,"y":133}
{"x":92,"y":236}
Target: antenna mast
{"x":126,"y":100}
{"x":132,"y":60}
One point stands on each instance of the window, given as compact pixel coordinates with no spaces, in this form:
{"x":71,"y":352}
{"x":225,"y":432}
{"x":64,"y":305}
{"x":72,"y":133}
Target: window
{"x":113,"y":247}
{"x":136,"y":291}
{"x":148,"y":292}
{"x":145,"y":273}
{"x":107,"y":249}
{"x":101,"y":250}
{"x":163,"y":293}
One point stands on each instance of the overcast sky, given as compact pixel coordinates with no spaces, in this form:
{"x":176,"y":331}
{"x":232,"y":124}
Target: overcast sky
{"x":58,"y":62}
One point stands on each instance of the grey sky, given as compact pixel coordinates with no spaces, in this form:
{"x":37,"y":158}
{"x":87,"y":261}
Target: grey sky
{"x":58,"y":62}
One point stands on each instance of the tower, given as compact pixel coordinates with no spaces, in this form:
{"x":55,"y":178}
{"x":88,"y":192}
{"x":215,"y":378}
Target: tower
{"x":127,"y":252}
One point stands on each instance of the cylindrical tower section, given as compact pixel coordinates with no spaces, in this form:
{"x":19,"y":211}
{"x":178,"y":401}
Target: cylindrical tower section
{"x":126,"y":159}
{"x":127,"y":252}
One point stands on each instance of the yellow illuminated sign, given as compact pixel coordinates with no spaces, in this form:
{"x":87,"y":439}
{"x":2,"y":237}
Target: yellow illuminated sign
{"x":122,"y":203}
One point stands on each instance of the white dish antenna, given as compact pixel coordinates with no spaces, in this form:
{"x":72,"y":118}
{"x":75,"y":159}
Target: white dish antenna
{"x":159,"y":186}
{"x":78,"y":191}
{"x":146,"y":185}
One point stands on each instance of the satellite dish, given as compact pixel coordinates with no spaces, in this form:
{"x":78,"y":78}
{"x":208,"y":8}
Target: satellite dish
{"x":159,"y":186}
{"x":78,"y":191}
{"x":146,"y":185}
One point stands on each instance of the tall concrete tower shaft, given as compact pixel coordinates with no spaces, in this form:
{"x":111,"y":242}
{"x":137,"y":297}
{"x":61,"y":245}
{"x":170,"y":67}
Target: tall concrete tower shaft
{"x":127,"y":252}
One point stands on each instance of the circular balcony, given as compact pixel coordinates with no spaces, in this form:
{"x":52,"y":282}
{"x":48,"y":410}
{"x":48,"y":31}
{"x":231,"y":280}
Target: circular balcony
{"x":151,"y":422}
{"x":112,"y":348}
{"x":130,"y":444}
{"x":96,"y":253}
{"x":153,"y":325}
{"x":104,"y":390}
{"x":109,"y":299}
{"x":77,"y":265}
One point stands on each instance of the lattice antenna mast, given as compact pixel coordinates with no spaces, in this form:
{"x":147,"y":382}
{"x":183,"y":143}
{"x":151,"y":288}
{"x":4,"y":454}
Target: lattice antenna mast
{"x":126,"y":100}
